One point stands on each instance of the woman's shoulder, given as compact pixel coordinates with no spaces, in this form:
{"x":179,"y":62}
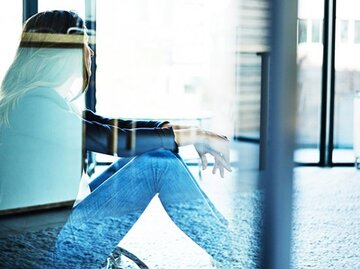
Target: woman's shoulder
{"x":41,"y":107}
{"x":39,"y":103}
{"x":43,"y":95}
{"x":43,"y":115}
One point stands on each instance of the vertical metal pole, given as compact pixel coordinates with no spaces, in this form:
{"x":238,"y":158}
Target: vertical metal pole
{"x":332,"y":85}
{"x":264,"y":113}
{"x":30,"y":7}
{"x":279,"y":156}
{"x":90,"y":21}
{"x":90,"y":97}
{"x":328,"y":85}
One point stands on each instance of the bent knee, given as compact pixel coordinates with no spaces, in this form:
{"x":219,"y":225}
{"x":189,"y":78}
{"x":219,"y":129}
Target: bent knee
{"x":161,"y":153}
{"x":160,"y":158}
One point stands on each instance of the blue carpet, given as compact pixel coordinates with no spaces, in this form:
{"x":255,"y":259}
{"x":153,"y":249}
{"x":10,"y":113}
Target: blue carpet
{"x":326,"y":226}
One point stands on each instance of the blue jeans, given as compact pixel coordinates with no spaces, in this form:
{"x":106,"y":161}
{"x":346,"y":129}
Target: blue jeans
{"x":120,"y":195}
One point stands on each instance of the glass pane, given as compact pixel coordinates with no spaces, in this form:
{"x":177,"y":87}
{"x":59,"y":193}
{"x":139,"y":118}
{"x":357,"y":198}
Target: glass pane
{"x":302,"y":31}
{"x":192,"y":62}
{"x":357,"y":32}
{"x":316,"y":34}
{"x":252,"y":45}
{"x":174,"y":60}
{"x":344,"y":31}
{"x":309,"y":58}
{"x":347,"y":82}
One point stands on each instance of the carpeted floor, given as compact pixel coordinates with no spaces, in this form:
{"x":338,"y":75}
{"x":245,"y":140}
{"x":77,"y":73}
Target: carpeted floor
{"x":326,"y":218}
{"x":326,"y":229}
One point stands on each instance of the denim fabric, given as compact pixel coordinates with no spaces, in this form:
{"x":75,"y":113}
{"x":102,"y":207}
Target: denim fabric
{"x":120,"y":195}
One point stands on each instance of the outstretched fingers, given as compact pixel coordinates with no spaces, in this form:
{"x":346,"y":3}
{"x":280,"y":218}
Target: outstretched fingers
{"x":219,"y":149}
{"x":222,"y":161}
{"x":204,"y":161}
{"x":220,"y":164}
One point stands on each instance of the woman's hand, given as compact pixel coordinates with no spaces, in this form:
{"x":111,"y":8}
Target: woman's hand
{"x":206,"y":142}
{"x":217,"y":146}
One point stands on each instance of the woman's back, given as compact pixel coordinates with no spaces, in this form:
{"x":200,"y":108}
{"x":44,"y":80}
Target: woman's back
{"x":40,"y":151}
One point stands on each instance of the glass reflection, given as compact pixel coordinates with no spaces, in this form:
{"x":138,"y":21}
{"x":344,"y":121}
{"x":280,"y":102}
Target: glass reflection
{"x":40,"y":134}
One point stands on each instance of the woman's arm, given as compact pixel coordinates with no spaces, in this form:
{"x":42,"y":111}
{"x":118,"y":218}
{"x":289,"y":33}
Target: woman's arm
{"x":136,"y":137}
{"x":109,"y":139}
{"x":120,"y":123}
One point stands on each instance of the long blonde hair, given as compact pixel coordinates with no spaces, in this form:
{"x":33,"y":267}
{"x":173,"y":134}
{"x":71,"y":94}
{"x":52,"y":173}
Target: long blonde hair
{"x":45,"y":58}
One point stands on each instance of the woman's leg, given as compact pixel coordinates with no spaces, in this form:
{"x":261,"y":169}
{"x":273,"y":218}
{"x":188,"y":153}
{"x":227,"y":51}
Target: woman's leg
{"x":98,"y":223}
{"x":102,"y":219}
{"x":192,"y":211}
{"x":110,"y":171}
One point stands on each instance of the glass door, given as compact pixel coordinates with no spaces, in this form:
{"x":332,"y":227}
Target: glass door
{"x":347,"y":83}
{"x":310,"y":64}
{"x":193,"y":62}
